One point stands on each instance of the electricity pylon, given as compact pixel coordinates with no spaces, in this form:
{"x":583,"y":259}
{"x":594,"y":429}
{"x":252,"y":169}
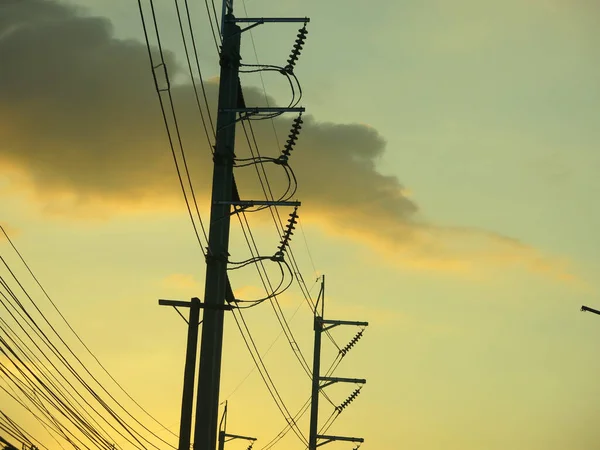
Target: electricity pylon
{"x":319,"y":382}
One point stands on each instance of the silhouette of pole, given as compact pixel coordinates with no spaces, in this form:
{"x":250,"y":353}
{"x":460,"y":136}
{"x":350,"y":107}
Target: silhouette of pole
{"x":314,"y":406}
{"x":587,"y":308}
{"x":319,"y":382}
{"x":207,"y":403}
{"x":187,"y":402}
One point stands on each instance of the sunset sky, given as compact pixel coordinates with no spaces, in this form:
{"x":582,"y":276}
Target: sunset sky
{"x":448,"y":172}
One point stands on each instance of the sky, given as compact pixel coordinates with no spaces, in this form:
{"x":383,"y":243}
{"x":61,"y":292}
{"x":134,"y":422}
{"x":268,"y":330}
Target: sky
{"x":447,"y":172}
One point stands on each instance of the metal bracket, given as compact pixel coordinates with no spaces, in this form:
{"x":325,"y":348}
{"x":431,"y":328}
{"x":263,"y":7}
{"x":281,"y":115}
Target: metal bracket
{"x":255,"y":21}
{"x":329,"y":439}
{"x":184,"y":304}
{"x":336,"y":323}
{"x":245,"y":113}
{"x":332,"y":380}
{"x":251,"y":203}
{"x":237,"y":436}
{"x":261,"y":109}
{"x":262,"y":20}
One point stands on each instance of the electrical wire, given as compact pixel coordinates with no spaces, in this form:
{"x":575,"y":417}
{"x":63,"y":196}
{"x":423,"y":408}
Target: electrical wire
{"x":300,"y":412}
{"x":36,"y":328}
{"x":251,"y":346}
{"x":26,"y":438}
{"x":166,"y":121}
{"x":38,"y":331}
{"x":215,"y":33}
{"x":78,"y":337}
{"x":54,"y":384}
{"x":189,"y":64}
{"x":251,"y":371}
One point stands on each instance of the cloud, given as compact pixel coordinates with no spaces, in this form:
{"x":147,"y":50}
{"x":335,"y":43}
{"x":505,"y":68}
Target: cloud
{"x":11,"y":231}
{"x":182,"y":281}
{"x":249,"y":292}
{"x":81,"y":132}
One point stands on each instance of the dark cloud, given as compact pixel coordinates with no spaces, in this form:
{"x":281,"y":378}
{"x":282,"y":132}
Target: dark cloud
{"x":82,"y":116}
{"x":80,"y":126}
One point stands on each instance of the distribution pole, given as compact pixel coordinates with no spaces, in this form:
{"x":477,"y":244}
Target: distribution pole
{"x":187,"y":402}
{"x":319,"y":382}
{"x":314,"y":406}
{"x":207,"y":403}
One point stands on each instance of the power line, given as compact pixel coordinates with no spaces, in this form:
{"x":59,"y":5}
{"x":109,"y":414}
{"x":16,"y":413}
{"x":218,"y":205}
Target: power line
{"x":56,"y":352}
{"x":22,"y":259}
{"x":42,"y":335}
{"x":189,"y":64}
{"x":159,"y":90}
{"x":251,"y":346}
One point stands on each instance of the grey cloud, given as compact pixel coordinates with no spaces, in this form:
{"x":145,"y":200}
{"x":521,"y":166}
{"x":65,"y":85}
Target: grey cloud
{"x":82,"y":116}
{"x":79,"y":120}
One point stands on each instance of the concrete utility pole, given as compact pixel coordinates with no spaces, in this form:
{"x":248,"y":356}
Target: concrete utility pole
{"x":185,"y":426}
{"x":207,"y":403}
{"x":318,"y":382}
{"x":224,"y":196}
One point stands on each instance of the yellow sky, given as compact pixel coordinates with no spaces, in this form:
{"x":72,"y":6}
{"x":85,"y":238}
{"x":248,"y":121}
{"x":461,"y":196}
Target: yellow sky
{"x":461,"y":222}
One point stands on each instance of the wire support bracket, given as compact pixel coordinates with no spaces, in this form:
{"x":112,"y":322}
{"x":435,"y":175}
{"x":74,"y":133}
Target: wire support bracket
{"x":327,"y":439}
{"x":187,"y":304}
{"x":230,"y":437}
{"x":332,"y":380}
{"x":251,"y":203}
{"x":264,"y":109}
{"x":247,"y":113}
{"x":269,"y":20}
{"x":329,"y":324}
{"x":255,"y":21}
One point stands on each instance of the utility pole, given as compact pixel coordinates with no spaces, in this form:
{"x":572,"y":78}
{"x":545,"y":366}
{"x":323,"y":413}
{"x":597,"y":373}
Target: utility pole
{"x":225,"y":437}
{"x":207,"y":403}
{"x":320,"y":382}
{"x":224,"y":197}
{"x":185,"y":426}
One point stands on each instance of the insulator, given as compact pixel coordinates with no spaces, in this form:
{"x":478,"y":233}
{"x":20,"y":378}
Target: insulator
{"x":349,"y":400}
{"x":297,"y":48}
{"x":352,"y":343}
{"x":289,"y":231}
{"x":293,"y":137}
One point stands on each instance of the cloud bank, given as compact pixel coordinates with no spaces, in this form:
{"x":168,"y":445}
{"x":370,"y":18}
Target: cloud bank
{"x":81,"y":132}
